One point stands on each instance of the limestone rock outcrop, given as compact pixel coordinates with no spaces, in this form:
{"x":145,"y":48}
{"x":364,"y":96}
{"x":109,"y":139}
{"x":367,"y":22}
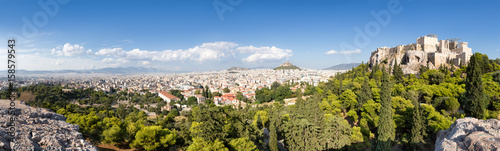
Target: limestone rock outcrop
{"x":426,"y":51}
{"x":39,"y":129}
{"x":470,"y":134}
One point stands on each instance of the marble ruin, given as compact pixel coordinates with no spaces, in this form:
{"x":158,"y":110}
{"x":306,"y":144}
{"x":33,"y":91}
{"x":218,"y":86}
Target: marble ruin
{"x":427,"y":50}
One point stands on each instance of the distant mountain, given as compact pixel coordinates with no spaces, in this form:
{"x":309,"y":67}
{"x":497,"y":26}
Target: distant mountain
{"x":262,"y":67}
{"x":344,"y":66}
{"x":286,"y":66}
{"x":120,"y":70}
{"x":127,"y":70}
{"x":237,"y":69}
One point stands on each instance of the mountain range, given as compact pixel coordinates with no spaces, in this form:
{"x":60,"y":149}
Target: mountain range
{"x":344,"y":66}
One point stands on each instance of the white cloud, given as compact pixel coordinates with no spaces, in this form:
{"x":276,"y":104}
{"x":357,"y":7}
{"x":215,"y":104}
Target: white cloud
{"x":331,"y":52}
{"x":261,"y":54}
{"x":109,"y":52}
{"x":112,"y":62}
{"x":116,"y":56}
{"x":344,"y":52}
{"x":70,"y":50}
{"x":207,"y":51}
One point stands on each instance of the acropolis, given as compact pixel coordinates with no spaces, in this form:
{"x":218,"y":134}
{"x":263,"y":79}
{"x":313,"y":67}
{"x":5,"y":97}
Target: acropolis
{"x":427,"y":50}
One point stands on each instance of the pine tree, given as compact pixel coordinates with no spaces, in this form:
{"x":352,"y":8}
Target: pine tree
{"x":365,"y":94}
{"x":474,"y":91}
{"x":418,"y":125}
{"x":212,"y":124}
{"x":336,"y":133}
{"x":303,"y":131}
{"x":385,"y":130}
{"x":398,"y":73}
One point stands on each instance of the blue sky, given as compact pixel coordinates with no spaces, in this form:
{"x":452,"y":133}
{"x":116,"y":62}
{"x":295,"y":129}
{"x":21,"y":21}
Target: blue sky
{"x":196,"y":35}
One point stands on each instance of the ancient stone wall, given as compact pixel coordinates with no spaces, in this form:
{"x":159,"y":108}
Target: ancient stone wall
{"x":427,"y":50}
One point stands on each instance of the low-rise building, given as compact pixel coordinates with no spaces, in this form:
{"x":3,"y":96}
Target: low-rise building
{"x":168,"y":97}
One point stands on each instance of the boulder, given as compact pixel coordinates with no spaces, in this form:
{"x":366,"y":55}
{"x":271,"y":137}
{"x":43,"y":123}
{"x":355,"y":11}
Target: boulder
{"x":470,"y":134}
{"x":41,"y":129}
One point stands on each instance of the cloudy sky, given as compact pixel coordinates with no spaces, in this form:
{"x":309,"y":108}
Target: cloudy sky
{"x":202,"y":35}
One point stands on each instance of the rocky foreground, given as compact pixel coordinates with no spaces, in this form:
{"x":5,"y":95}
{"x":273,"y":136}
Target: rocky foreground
{"x":470,"y":134}
{"x":39,"y":129}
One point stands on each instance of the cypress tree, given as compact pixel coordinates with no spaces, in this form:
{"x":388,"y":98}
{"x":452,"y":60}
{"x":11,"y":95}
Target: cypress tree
{"x":273,"y":136}
{"x":209,"y":93}
{"x":204,"y":93}
{"x":390,"y":70}
{"x":418,"y":127}
{"x":385,"y":130}
{"x":474,"y":92}
{"x":340,"y":84}
{"x":374,"y":70}
{"x":398,"y":73}
{"x":354,"y":75}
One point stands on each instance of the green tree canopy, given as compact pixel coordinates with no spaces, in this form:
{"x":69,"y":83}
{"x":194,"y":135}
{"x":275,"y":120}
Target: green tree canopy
{"x":243,"y":144}
{"x":154,"y":137}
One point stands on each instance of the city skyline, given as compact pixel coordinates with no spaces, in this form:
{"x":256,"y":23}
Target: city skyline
{"x":216,"y":35}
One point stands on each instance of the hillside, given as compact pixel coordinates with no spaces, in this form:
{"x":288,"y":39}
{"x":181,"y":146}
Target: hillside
{"x":286,"y":66}
{"x":344,"y":66}
{"x":40,"y":129}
